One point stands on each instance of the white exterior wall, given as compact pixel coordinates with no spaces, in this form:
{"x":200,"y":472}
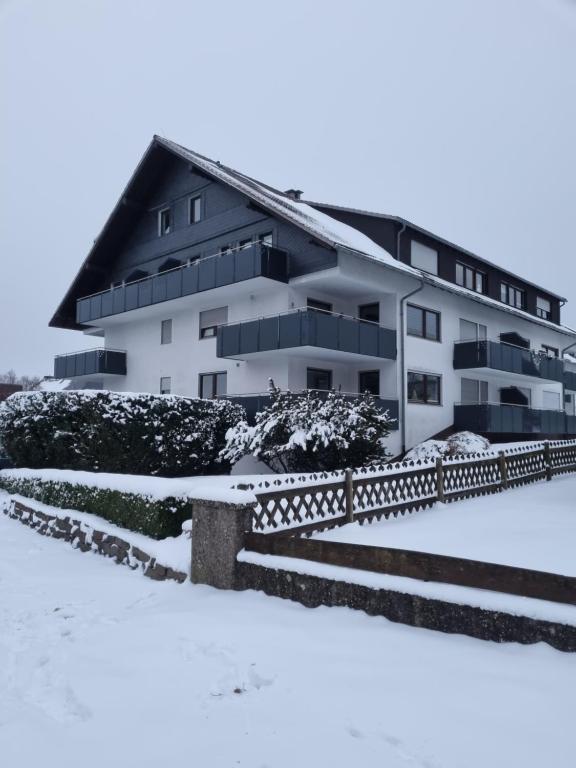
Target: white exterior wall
{"x":353,"y":283}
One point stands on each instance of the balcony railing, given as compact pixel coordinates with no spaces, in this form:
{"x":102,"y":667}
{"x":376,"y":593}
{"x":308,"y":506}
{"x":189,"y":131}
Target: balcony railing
{"x":570,"y":376}
{"x":89,"y":362}
{"x":306,"y":328}
{"x":512,"y":419}
{"x":257,"y":401}
{"x":506,"y":357}
{"x":255,"y":260}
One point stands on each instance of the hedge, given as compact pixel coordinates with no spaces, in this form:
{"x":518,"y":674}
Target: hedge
{"x":137,"y":512}
{"x":117,"y":432}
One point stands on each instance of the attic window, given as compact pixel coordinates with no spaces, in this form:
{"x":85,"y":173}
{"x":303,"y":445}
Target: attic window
{"x":195,"y":212}
{"x":423,"y":257}
{"x":164,"y":221}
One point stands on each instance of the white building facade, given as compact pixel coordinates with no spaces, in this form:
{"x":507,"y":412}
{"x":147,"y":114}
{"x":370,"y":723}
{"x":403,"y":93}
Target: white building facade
{"x":207,"y":283}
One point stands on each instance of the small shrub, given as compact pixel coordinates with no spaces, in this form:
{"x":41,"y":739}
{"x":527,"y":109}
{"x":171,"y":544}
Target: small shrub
{"x":310,"y":432}
{"x":136,"y":512}
{"x":117,"y":432}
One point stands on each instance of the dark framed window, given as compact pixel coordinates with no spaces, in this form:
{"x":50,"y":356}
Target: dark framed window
{"x":370,"y":312}
{"x":317,"y":378}
{"x":473,"y":391}
{"x":166,"y":332}
{"x":164,"y":221}
{"x":369,"y":381}
{"x":210,"y":319}
{"x":424,"y":388}
{"x":195,"y":209}
{"x":543,"y":308}
{"x":422,"y":322}
{"x":471,"y":278}
{"x":550,"y":351}
{"x":165,"y":385}
{"x":212,"y":385}
{"x":515,"y":297}
{"x":265,"y":238}
{"x":323,"y":306}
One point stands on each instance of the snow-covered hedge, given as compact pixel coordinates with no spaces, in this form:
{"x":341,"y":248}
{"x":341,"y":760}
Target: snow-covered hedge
{"x":140,"y":512}
{"x":117,"y":432}
{"x":312,"y":432}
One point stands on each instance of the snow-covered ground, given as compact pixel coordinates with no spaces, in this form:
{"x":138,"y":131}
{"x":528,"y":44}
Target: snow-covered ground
{"x":533,"y":526}
{"x":100,"y":666}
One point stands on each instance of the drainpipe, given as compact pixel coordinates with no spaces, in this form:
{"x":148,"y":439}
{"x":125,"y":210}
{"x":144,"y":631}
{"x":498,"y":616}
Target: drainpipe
{"x":402,"y":399}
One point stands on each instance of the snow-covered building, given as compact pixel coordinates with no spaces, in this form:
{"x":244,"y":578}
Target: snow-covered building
{"x":205,"y":282}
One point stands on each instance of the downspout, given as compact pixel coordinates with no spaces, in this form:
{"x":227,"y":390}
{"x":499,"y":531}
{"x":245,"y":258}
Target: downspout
{"x":402,"y":398}
{"x":403,"y":383}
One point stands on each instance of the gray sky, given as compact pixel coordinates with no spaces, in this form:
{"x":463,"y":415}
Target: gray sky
{"x":458,"y":115}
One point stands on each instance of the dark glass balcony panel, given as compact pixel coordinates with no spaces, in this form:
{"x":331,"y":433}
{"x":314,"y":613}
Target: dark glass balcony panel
{"x":90,"y":362}
{"x":494,"y":418}
{"x":253,"y":403}
{"x":306,"y":328}
{"x":570,"y":380}
{"x":257,"y":260}
{"x":504,"y":357}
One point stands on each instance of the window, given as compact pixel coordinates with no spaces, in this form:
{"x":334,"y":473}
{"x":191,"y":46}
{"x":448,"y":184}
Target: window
{"x":570,"y":403}
{"x":470,"y":331}
{"x":164,"y":221}
{"x":423,"y":388}
{"x":195,"y":210}
{"x":543,"y":308}
{"x":423,"y":323}
{"x":423,"y":257}
{"x":369,"y":312}
{"x":323,"y":306}
{"x":165,"y":385}
{"x":166,"y":332}
{"x":317,"y":378}
{"x":470,"y":278}
{"x":265,"y":238}
{"x":515,"y":297}
{"x":550,"y":351}
{"x":474,"y":391}
{"x":212,"y":385}
{"x":369,"y":381}
{"x":551,"y":401}
{"x":210,"y":319}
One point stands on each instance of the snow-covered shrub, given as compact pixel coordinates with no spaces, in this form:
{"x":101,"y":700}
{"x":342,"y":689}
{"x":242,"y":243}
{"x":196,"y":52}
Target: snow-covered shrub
{"x":153,"y":517}
{"x":311,"y":432}
{"x":458,"y":444}
{"x":105,"y":431}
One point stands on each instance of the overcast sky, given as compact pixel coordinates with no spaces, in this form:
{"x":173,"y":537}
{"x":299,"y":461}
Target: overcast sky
{"x":458,"y":115}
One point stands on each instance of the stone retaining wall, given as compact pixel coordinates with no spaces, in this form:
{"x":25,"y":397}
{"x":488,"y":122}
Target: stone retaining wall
{"x":88,"y":539}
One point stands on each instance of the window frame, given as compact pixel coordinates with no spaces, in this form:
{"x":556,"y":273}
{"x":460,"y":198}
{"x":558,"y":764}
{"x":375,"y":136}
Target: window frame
{"x":414,"y":242}
{"x":476,"y":273}
{"x":512,"y":290}
{"x":166,"y":324}
{"x":214,"y":376}
{"x":191,"y":201}
{"x":320,"y":370}
{"x":425,"y":311}
{"x":202,"y":330}
{"x":370,"y":371}
{"x":478,"y":326}
{"x":543,"y":314}
{"x":426,"y":376}
{"x":169,"y":380}
{"x":162,"y":229}
{"x":480,"y":383}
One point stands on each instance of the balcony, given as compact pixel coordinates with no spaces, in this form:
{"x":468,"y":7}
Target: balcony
{"x":252,"y":403}
{"x":506,"y":357}
{"x":570,"y":376}
{"x":255,"y":260}
{"x":307,"y":330}
{"x":493,"y":418}
{"x":90,"y":362}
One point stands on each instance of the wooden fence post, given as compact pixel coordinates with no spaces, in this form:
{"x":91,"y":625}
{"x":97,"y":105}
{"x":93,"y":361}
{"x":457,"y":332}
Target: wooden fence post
{"x":440,"y":480}
{"x":547,"y":461}
{"x":349,"y":495}
{"x":503,"y":469}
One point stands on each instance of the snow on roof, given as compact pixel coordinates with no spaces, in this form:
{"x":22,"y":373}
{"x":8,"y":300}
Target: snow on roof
{"x":331,"y":231}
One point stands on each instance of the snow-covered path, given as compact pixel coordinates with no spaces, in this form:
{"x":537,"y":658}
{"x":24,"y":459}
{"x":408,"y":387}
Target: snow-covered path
{"x":100,"y":666}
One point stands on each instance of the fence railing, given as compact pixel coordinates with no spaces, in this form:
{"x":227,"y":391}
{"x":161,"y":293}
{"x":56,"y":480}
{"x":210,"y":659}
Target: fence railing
{"x":312,"y":503}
